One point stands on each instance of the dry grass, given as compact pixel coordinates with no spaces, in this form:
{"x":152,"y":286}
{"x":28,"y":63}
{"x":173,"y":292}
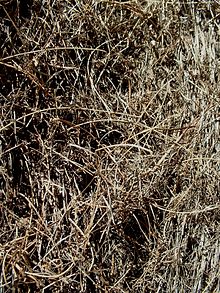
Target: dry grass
{"x":110,"y":143}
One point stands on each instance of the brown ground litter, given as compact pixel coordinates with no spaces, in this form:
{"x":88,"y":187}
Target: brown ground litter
{"x":110,"y":146}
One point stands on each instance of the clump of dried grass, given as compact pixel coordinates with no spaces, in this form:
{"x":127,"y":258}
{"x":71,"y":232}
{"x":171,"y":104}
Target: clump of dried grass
{"x":109,"y":146}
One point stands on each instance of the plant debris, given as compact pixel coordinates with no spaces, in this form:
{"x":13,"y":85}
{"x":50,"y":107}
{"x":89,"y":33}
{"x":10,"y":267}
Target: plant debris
{"x":110,"y":146}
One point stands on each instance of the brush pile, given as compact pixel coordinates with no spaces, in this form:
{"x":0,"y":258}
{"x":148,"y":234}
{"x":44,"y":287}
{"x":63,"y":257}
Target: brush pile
{"x":110,"y":146}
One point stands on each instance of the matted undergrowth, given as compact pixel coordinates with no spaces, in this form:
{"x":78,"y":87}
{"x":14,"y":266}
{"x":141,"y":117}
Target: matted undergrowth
{"x":110,"y":143}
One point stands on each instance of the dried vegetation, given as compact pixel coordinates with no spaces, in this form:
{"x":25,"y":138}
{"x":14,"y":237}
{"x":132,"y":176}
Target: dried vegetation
{"x":110,"y":143}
